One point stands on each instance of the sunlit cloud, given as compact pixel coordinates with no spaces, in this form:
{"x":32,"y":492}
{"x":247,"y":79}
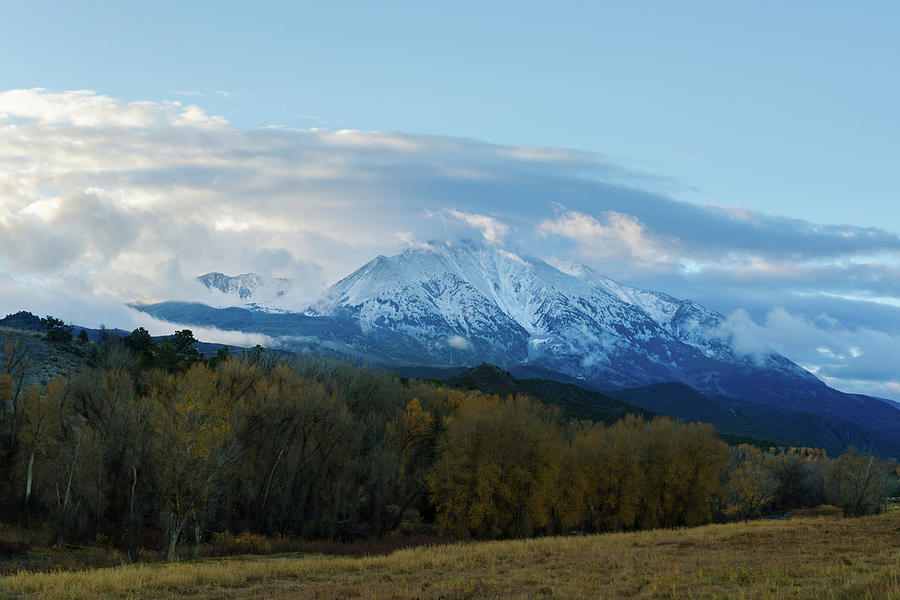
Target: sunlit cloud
{"x":492,"y":230}
{"x":84,"y":108}
{"x":613,"y":235}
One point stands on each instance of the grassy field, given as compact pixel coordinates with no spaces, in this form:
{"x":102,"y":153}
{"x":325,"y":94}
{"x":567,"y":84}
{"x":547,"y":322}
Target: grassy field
{"x":816,"y":558}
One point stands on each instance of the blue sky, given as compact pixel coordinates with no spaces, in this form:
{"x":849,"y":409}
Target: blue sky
{"x":742,"y":154}
{"x":783,"y":107}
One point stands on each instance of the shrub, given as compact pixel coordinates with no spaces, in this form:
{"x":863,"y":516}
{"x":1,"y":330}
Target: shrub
{"x":252,"y":543}
{"x":225,"y":544}
{"x":14,"y":549}
{"x":823,"y":510}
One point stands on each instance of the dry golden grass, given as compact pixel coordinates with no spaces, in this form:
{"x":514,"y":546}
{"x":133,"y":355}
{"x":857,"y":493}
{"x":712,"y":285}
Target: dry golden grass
{"x":816,"y":558}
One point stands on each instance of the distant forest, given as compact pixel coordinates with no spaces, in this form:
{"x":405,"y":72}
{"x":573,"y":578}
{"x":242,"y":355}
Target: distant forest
{"x":152,"y":444}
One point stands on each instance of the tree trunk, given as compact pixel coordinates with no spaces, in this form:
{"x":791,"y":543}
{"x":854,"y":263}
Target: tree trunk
{"x":195,"y":542}
{"x":129,"y":525}
{"x":28,"y":480}
{"x":263,"y":520}
{"x":98,"y":508}
{"x":64,"y":507}
{"x":409,"y":500}
{"x":174,"y":534}
{"x":131,"y":519}
{"x":131,"y":499}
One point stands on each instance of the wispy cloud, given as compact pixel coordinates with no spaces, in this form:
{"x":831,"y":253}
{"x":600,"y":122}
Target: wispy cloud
{"x":196,"y":94}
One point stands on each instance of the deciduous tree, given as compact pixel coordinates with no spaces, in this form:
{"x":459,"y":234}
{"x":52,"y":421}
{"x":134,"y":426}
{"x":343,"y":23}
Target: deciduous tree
{"x":191,"y":426}
{"x":858,"y":483}
{"x":497,"y":468}
{"x":750,"y":485}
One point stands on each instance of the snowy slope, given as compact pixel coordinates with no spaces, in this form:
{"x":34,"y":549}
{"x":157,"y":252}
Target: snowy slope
{"x":463,"y":303}
{"x":577,"y":322}
{"x":685,"y":319}
{"x":248,"y":290}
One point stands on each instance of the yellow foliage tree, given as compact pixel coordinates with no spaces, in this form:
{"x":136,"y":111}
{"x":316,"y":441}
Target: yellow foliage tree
{"x":497,"y":468}
{"x":610,"y":476}
{"x":41,"y":414}
{"x":191,"y":421}
{"x":750,"y":485}
{"x":409,"y":436}
{"x":296,"y":441}
{"x":407,"y":430}
{"x":700,"y":459}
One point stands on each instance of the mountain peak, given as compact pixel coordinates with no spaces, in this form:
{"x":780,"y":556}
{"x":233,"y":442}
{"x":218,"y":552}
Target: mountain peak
{"x":246,"y":289}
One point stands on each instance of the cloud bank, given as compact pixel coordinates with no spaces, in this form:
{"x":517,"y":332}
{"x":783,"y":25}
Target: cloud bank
{"x":104,"y":202}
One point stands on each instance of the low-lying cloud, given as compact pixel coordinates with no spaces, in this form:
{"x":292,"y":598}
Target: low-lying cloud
{"x":104,"y":202}
{"x":843,"y":356}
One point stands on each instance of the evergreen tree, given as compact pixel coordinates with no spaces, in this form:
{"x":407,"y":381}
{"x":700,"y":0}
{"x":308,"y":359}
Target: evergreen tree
{"x":57,"y":331}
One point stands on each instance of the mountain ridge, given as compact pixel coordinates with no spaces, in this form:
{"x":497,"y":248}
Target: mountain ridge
{"x":247,"y":289}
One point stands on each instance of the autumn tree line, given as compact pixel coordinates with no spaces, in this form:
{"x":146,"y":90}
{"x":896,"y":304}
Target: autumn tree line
{"x":153,"y":445}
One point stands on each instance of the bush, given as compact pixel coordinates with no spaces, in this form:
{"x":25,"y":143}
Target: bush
{"x":823,"y":510}
{"x":14,"y":549}
{"x":226,"y":544}
{"x":252,"y":543}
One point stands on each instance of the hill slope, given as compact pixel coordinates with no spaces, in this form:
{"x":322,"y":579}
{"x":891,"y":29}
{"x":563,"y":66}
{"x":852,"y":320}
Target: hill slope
{"x":784,"y":427}
{"x":576,"y":402}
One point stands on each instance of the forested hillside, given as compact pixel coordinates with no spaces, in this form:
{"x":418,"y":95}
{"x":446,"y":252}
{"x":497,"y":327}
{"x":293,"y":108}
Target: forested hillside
{"x":150,"y":444}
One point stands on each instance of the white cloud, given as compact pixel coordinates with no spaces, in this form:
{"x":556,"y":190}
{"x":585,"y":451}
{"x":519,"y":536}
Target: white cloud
{"x":221,"y":336}
{"x":353,"y":138}
{"x":491,"y":229}
{"x":613,"y":236}
{"x":194,"y":115}
{"x":847,"y":358}
{"x":552,"y":155}
{"x":84,"y":108}
{"x":512,"y":256}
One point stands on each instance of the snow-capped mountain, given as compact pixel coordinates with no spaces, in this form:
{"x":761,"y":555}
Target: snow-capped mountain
{"x":248,"y":290}
{"x":460,"y":304}
{"x":451,"y":304}
{"x":467,"y":302}
{"x":685,"y":319}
